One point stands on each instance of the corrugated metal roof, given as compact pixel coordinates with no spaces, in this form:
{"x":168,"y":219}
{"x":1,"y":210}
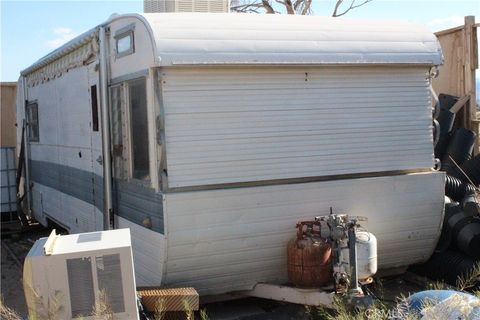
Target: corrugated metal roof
{"x":201,"y":38}
{"x":189,"y":38}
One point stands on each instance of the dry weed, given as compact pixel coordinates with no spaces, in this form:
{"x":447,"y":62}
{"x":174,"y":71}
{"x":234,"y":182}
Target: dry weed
{"x":102,"y":309}
{"x":7,"y":313}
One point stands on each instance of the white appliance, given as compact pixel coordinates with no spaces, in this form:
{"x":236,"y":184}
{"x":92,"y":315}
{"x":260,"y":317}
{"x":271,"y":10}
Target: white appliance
{"x":80,"y":276}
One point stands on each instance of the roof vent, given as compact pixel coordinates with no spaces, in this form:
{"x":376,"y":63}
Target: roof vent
{"x":186,"y":6}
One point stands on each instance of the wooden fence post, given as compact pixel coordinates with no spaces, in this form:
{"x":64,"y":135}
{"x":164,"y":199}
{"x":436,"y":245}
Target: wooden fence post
{"x":470,"y":64}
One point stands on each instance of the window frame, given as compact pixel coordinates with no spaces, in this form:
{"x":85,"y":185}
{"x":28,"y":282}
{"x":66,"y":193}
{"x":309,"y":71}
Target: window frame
{"x":131,"y":156}
{"x":94,"y":105}
{"x":120,"y":156}
{"x":127,"y":31}
{"x":33,"y":136}
{"x":125,"y":170}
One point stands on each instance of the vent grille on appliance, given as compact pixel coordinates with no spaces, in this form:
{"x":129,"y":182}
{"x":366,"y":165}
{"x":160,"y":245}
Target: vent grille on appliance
{"x":80,"y":283}
{"x":109,"y":275}
{"x":186,"y":6}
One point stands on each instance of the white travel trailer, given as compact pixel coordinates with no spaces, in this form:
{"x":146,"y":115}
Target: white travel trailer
{"x":211,"y":135}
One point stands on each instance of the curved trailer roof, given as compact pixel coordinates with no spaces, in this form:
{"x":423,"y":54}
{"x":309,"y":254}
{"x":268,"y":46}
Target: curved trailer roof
{"x":238,"y":39}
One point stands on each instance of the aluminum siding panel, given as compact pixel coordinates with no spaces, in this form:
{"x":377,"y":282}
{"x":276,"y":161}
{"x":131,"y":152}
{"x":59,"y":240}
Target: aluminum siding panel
{"x":196,"y":39}
{"x":64,"y":114}
{"x":226,"y":125}
{"x":148,"y":248}
{"x":66,"y":177}
{"x":230,"y":239}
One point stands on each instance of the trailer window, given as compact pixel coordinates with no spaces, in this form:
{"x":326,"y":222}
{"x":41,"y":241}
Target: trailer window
{"x":119,"y":132}
{"x":139,"y":129}
{"x":93,"y":97}
{"x":124,"y":41}
{"x":33,"y":129}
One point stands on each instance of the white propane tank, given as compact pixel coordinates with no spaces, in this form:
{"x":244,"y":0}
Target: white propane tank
{"x":366,"y":255}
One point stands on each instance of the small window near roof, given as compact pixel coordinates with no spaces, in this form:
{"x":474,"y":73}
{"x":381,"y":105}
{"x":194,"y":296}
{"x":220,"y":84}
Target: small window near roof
{"x":124,"y":41}
{"x":32,"y":117}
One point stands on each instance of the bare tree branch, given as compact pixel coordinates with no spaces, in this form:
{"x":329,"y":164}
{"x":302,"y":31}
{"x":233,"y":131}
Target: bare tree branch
{"x":352,"y":6}
{"x":268,"y":7}
{"x":302,"y":7}
{"x":289,"y":7}
{"x":249,"y":7}
{"x":297,"y":3}
{"x":307,"y":4}
{"x":337,"y":5}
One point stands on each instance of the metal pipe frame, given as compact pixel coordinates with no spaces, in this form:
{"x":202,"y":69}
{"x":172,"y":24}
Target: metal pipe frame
{"x":106,"y":143}
{"x":27,"y":148}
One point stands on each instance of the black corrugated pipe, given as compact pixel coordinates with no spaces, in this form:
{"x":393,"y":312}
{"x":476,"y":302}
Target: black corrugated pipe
{"x":453,"y":217}
{"x":471,"y":168}
{"x":457,"y":189}
{"x":468,"y":237}
{"x":459,"y":149}
{"x":453,"y":212}
{"x":445,"y":120}
{"x":463,"y":229}
{"x":447,"y":101}
{"x":470,"y":205}
{"x":445,"y":239}
{"x":446,"y":266}
{"x":451,"y":209}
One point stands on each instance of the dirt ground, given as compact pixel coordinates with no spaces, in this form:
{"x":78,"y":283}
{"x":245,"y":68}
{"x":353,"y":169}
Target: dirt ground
{"x":12,"y":289}
{"x":241,"y":309}
{"x":11,"y":272}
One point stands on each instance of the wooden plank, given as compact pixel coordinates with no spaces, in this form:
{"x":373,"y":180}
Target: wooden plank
{"x":470,"y":64}
{"x":457,"y":74}
{"x":460,"y":104}
{"x":449,"y":80}
{"x":448,"y":31}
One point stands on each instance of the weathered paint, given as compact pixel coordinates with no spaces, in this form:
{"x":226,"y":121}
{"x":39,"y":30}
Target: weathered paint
{"x":134,"y":202}
{"x":230,"y":239}
{"x":149,"y":254}
{"x":230,"y":125}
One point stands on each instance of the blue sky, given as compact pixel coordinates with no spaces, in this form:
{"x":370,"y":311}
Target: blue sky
{"x":31,"y":29}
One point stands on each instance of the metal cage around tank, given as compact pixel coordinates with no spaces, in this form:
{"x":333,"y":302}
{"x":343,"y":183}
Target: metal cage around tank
{"x":8,"y":185}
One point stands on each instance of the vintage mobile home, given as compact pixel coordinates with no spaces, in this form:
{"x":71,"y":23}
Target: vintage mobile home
{"x":225,"y":130}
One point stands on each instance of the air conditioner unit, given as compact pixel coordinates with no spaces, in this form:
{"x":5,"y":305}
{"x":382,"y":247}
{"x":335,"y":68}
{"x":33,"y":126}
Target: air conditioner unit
{"x":216,"y":6}
{"x":81,"y":276}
